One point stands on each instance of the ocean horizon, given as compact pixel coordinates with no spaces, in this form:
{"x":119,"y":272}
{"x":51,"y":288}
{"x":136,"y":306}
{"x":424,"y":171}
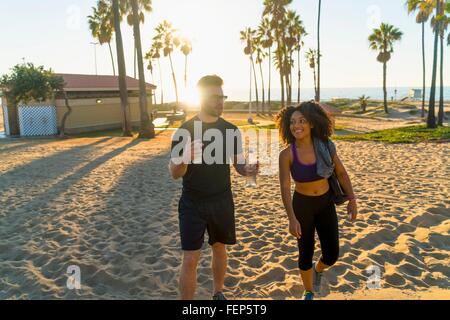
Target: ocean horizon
{"x":375,"y":93}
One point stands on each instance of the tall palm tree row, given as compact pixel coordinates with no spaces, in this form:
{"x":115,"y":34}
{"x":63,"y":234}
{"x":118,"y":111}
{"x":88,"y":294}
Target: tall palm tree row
{"x":382,"y":40}
{"x":165,"y":34}
{"x":424,"y":10}
{"x":155,"y":54}
{"x":105,"y":21}
{"x":283,"y":27}
{"x":275,"y":11}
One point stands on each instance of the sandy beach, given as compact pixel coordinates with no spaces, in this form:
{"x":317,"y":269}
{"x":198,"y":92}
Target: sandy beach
{"x":108,"y":206}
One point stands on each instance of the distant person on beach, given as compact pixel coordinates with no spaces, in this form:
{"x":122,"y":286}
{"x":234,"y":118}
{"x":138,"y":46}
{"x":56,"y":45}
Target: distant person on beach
{"x":206,"y":203}
{"x":310,"y":159}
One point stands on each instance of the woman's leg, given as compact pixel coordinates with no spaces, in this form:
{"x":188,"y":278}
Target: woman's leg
{"x":328,"y":232}
{"x":304,"y":213}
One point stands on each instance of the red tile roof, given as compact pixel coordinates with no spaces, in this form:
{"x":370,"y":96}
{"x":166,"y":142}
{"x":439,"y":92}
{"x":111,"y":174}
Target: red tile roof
{"x":87,"y":82}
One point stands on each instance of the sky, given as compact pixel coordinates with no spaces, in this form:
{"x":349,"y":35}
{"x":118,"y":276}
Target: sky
{"x":55,"y":34}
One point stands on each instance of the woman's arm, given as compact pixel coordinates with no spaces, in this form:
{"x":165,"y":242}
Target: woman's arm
{"x":285,"y":186}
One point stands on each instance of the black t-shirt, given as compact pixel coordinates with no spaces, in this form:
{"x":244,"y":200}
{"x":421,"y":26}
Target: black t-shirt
{"x":212,"y":176}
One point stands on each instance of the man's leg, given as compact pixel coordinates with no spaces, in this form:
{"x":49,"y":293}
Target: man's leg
{"x":219,"y":265}
{"x":188,"y":276}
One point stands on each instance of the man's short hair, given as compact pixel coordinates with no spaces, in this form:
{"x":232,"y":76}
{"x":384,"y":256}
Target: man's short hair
{"x":210,"y":81}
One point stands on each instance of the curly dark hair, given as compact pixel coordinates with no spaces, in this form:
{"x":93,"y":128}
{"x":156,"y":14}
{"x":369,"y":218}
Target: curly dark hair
{"x":314,"y":114}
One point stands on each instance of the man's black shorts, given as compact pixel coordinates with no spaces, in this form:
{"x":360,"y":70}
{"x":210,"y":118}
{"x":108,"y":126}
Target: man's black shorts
{"x":215,"y":215}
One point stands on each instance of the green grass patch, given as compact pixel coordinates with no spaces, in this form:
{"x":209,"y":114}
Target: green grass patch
{"x":402,"y":135}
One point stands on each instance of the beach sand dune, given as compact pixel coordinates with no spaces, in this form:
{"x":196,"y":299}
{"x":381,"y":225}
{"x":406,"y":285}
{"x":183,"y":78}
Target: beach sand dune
{"x":108,"y":206}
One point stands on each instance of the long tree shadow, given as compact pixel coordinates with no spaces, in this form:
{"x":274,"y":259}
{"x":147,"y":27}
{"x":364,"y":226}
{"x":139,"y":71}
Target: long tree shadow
{"x":16,"y":215}
{"x":131,"y":240}
{"x":26,"y":239}
{"x":9,"y":146}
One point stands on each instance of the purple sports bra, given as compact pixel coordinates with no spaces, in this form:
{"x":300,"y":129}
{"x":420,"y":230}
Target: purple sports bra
{"x":303,"y":172}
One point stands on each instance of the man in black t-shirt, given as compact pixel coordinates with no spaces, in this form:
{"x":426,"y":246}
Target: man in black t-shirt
{"x":202,"y":150}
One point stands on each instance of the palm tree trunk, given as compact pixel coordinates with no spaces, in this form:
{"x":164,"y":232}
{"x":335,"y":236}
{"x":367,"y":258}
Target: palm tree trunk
{"x":174,"y":83}
{"x":147,"y":130}
{"x":423,"y":70}
{"x":441,"y":88}
{"x":282,"y":89}
{"x":122,"y":72}
{"x":318,"y":51}
{"x":299,"y":76}
{"x":431,"y":119}
{"x":160,"y":82}
{"x":154,"y":93}
{"x":270,"y":80}
{"x":112,"y":58}
{"x":315,"y":82}
{"x":256,"y":87}
{"x":185,"y":70}
{"x":262,"y":83}
{"x":250,"y":91}
{"x":135,"y":52}
{"x":385,"y":87}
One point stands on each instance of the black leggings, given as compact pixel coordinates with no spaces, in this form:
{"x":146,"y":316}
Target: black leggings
{"x":316,"y":213}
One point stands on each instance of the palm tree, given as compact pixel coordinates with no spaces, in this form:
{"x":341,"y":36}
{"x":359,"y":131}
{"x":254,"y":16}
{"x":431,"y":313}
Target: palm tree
{"x":186,"y":49}
{"x":424,"y":9}
{"x":382,"y":40}
{"x":311,"y":57}
{"x":122,"y":71}
{"x":165,"y":33}
{"x":431,"y":119}
{"x":101,"y":25}
{"x":127,"y":10}
{"x":363,"y":100}
{"x":149,"y":56}
{"x":155,"y":54}
{"x":294,"y":42}
{"x":147,"y":129}
{"x":440,"y":25}
{"x":319,"y":53}
{"x":248,"y":36}
{"x":265,"y":36}
{"x":260,"y":56}
{"x":275,"y":11}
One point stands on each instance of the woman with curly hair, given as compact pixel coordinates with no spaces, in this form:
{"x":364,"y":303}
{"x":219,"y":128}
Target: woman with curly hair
{"x":310,"y":158}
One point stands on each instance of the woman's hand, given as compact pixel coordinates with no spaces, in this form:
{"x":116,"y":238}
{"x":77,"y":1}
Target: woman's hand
{"x":352,"y":210}
{"x":295,"y":228}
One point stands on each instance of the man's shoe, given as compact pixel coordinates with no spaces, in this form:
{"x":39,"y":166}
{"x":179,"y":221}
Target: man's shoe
{"x":219,"y":296}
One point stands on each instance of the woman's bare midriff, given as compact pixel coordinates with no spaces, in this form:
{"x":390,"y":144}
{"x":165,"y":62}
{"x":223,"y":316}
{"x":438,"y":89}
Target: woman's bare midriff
{"x":315,"y":188}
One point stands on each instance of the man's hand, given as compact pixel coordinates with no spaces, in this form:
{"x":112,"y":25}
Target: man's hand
{"x":251,"y":169}
{"x":191,"y":152}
